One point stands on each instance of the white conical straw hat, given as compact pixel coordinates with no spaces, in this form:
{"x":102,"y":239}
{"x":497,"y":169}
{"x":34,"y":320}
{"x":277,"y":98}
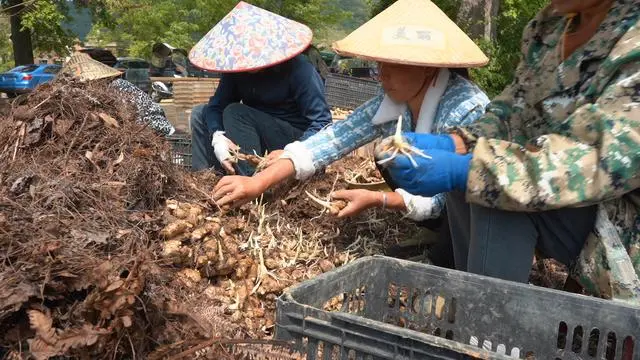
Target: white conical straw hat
{"x":83,"y":67}
{"x":412,"y":32}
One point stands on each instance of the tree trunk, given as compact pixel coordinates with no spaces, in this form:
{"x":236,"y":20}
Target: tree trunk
{"x":471,"y":18}
{"x":491,"y":9}
{"x":21,"y":38}
{"x":478,"y":18}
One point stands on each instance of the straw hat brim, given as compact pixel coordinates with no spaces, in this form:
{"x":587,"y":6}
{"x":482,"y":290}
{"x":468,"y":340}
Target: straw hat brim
{"x":83,"y":67}
{"x":248,"y":39}
{"x":399,"y":35}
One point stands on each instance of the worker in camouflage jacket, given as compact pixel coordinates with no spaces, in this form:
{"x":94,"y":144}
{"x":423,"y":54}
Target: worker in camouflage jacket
{"x":554,"y":165}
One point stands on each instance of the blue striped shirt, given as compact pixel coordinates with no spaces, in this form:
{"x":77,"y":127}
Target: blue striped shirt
{"x":461,"y":104}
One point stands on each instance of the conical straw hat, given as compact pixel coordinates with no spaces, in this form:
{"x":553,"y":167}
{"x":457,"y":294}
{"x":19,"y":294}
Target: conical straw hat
{"x":83,"y":67}
{"x":412,"y":32}
{"x":250,"y":38}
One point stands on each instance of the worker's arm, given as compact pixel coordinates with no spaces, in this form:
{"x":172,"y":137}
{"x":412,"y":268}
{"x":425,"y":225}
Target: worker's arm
{"x":467,"y":112}
{"x":303,"y":158}
{"x":149,"y":112}
{"x":494,"y":124}
{"x":594,"y":156}
{"x":308,"y":91}
{"x":336,"y":141}
{"x":359,"y":200}
{"x":237,"y":190}
{"x":225,"y":94}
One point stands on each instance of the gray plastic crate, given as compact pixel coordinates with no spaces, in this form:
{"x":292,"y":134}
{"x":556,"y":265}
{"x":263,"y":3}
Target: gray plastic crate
{"x":385,"y":308}
{"x":180,"y":150}
{"x":348,"y":92}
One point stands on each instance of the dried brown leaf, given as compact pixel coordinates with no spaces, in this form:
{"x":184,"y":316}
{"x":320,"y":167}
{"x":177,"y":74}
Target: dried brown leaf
{"x":120,"y":159}
{"x":266,"y":352}
{"x":41,"y":350}
{"x":108,"y":120}
{"x":90,"y":237}
{"x":66,"y":274}
{"x":126,"y":321}
{"x":114,"y":286}
{"x":32,"y":138}
{"x":61,"y":126}
{"x":43,"y":326}
{"x":13,"y":299}
{"x":76,"y":338}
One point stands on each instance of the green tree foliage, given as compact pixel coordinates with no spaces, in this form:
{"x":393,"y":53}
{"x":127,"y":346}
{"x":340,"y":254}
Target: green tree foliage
{"x":449,"y":7}
{"x":358,"y":11}
{"x":504,"y":53}
{"x":145,"y":22}
{"x":40,"y":24}
{"x":6,"y":53}
{"x":181,"y":23}
{"x":45,"y":19}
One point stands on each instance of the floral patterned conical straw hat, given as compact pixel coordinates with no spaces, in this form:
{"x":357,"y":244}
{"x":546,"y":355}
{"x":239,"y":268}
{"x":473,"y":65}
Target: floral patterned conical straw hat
{"x":412,"y":32}
{"x":250,"y":38}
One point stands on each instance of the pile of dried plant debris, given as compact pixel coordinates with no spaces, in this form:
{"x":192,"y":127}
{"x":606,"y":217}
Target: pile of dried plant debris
{"x":339,"y":113}
{"x":364,"y":173}
{"x":110,"y":251}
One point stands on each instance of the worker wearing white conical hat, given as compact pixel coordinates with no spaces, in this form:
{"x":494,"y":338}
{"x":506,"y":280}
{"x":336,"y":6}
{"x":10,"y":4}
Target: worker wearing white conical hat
{"x":269,"y":94}
{"x":81,"y":66}
{"x":422,"y":62}
{"x":398,"y":36}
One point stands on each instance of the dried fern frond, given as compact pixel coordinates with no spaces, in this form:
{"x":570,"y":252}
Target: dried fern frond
{"x":76,"y":338}
{"x":266,"y":352}
{"x":40,"y":350}
{"x":43,"y":325}
{"x":51,"y":342}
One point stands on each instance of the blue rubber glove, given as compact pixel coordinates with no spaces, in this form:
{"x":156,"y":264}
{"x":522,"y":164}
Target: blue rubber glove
{"x":444,"y":172}
{"x":430,"y":141}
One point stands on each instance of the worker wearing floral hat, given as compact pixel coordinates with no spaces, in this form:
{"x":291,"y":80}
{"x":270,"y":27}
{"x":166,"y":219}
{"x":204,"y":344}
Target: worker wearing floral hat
{"x":555,"y":162}
{"x":269,"y":94}
{"x":422,"y":61}
{"x":84,"y":68}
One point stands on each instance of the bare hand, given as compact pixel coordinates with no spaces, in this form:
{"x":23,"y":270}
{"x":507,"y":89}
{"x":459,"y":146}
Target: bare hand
{"x":228,"y":167}
{"x":237,"y":190}
{"x":273,"y":157}
{"x":358,"y":201}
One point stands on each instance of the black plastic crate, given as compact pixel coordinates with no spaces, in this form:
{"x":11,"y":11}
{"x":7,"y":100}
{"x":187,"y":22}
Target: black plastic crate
{"x":384,"y":308}
{"x":180,"y":150}
{"x":348,"y":92}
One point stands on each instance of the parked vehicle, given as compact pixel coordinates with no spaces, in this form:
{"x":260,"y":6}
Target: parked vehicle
{"x":135,"y":71}
{"x":168,"y":61}
{"x":25,"y":78}
{"x":103,"y":55}
{"x":124,"y":63}
{"x":354,"y":67}
{"x":327,"y":56}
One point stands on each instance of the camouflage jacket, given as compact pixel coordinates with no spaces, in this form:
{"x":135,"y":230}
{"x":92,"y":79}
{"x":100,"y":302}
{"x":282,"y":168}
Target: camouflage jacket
{"x":567,"y":134}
